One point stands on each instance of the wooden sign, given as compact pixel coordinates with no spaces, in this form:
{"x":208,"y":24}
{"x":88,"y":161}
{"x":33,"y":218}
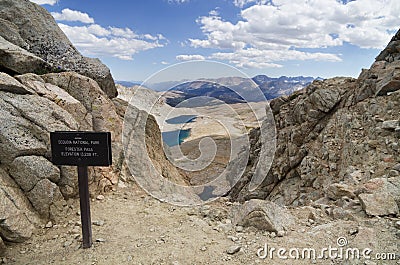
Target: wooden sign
{"x":82,"y":149}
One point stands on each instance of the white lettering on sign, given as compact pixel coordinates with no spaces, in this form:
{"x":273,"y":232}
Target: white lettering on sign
{"x":64,"y":142}
{"x":80,"y":142}
{"x":73,"y":149}
{"x":81,"y":148}
{"x":69,"y":154}
{"x":78,"y":151}
{"x":78,"y":154}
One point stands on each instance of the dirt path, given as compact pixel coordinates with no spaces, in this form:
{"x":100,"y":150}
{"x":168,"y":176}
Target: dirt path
{"x":131,"y":227}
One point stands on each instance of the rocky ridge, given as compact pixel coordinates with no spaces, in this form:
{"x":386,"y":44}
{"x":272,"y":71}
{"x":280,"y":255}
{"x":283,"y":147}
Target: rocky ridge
{"x":32,"y":42}
{"x":33,"y":190}
{"x":337,"y":144}
{"x":36,"y":98}
{"x":336,"y":163}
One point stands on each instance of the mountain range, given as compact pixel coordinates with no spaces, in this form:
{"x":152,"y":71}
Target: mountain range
{"x":237,"y":89}
{"x":227,"y":89}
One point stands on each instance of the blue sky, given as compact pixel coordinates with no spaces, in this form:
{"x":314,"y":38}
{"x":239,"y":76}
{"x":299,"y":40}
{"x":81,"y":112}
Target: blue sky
{"x":323,"y":38}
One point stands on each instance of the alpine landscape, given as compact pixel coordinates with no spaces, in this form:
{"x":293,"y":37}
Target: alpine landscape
{"x":239,"y":168}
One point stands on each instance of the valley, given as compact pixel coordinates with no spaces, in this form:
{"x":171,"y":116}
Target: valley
{"x":224,"y":170}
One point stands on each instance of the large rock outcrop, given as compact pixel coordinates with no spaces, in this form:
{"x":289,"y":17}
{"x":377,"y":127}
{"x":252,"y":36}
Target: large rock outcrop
{"x":38,"y":96}
{"x":263,"y":215}
{"x":16,"y":213}
{"x":14,"y":59}
{"x":30,"y":27}
{"x":31,"y":106}
{"x":335,"y":137}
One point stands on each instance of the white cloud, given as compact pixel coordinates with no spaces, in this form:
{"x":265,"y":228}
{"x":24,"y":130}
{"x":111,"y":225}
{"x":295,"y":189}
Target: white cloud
{"x":122,"y":43}
{"x":123,"y":32}
{"x":273,"y":31}
{"x":98,"y":30}
{"x":242,"y":3}
{"x":95,"y":40}
{"x":255,"y":58}
{"x":72,"y":15}
{"x":214,"y":12}
{"x":44,"y":2}
{"x":178,"y":1}
{"x":190,"y":57}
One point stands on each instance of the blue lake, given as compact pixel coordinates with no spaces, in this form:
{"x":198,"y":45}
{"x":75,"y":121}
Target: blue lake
{"x":177,"y":137}
{"x":181,"y":119}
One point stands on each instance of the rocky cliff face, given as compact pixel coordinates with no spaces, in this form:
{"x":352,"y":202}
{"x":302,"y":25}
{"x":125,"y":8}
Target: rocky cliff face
{"x":32,"y":189}
{"x":32,"y":32}
{"x":337,"y":143}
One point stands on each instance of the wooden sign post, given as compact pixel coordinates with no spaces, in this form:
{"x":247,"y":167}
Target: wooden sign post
{"x":82,"y":149}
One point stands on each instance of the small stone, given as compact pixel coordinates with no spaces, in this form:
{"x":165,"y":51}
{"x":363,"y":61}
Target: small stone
{"x":338,"y":190}
{"x":397,"y":224}
{"x":75,"y":230}
{"x":397,"y":167}
{"x":373,"y":143}
{"x":390,"y":125}
{"x":100,"y":197}
{"x":2,"y":248}
{"x":191,"y":212}
{"x":203,"y":248}
{"x":388,"y":159}
{"x":67,"y":243}
{"x":353,"y":231}
{"x":233,"y":249}
{"x":225,"y":227}
{"x":49,"y":224}
{"x":280,"y":233}
{"x":379,"y":204}
{"x":239,"y":228}
{"x":273,"y":235}
{"x":160,"y":241}
{"x":233,"y":238}
{"x":121,"y":184}
{"x":98,"y":223}
{"x":101,"y":240}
